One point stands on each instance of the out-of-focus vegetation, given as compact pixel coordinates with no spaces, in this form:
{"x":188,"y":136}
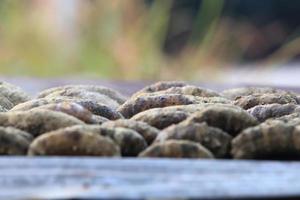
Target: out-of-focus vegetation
{"x":126,"y":39}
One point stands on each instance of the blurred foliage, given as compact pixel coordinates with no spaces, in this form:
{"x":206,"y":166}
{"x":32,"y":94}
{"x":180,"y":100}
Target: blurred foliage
{"x":118,"y":39}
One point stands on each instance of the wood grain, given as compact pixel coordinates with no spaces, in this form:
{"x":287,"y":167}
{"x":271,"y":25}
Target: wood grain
{"x":59,"y":177}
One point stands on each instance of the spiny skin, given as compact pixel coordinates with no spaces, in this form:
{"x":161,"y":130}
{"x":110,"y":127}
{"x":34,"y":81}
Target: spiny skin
{"x":113,"y":94}
{"x":14,"y":141}
{"x":273,"y":140}
{"x":131,"y":143}
{"x":247,"y":91}
{"x":92,"y":106}
{"x":264,"y":112}
{"x":187,"y":90}
{"x":250,"y":101}
{"x":82,"y":94}
{"x":159,"y":86}
{"x":148,"y":132}
{"x":75,"y":110}
{"x":13,"y":93}
{"x":38,"y":121}
{"x":177,"y":149}
{"x":230,"y":119}
{"x":214,"y":139}
{"x":145,"y":102}
{"x":67,"y":142}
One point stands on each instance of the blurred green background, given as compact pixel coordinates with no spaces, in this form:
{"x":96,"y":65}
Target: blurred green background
{"x":145,"y":39}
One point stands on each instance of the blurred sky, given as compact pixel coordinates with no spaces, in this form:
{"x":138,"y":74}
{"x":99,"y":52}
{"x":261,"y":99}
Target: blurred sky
{"x":146,"y":39}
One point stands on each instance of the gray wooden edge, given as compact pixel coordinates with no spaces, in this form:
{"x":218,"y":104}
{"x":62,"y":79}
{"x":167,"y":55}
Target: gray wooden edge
{"x":85,"y":177}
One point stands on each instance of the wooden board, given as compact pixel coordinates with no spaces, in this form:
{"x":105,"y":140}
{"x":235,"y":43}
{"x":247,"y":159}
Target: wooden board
{"x":31,"y":178}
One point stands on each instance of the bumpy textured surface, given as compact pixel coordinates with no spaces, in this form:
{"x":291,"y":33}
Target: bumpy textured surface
{"x":192,"y":90}
{"x":141,"y":103}
{"x":159,"y":86}
{"x":160,"y":118}
{"x":291,"y":119}
{"x":82,"y":94}
{"x":229,"y":118}
{"x":148,"y":101}
{"x":264,"y":112}
{"x":148,"y":132}
{"x":14,"y":141}
{"x":164,"y":117}
{"x":175,"y":119}
{"x":130,"y":142}
{"x":250,"y":101}
{"x":287,"y":118}
{"x":272,"y":140}
{"x":113,"y":94}
{"x":214,"y":139}
{"x":5,"y":102}
{"x":93,"y":106}
{"x":176,"y":149}
{"x":246,"y":91}
{"x":67,"y":142}
{"x":2,"y":109}
{"x":13,"y":93}
{"x":37,"y":121}
{"x":75,"y":110}
{"x":187,"y":90}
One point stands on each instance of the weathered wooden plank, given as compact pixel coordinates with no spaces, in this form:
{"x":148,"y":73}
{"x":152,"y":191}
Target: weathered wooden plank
{"x":22,"y":177}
